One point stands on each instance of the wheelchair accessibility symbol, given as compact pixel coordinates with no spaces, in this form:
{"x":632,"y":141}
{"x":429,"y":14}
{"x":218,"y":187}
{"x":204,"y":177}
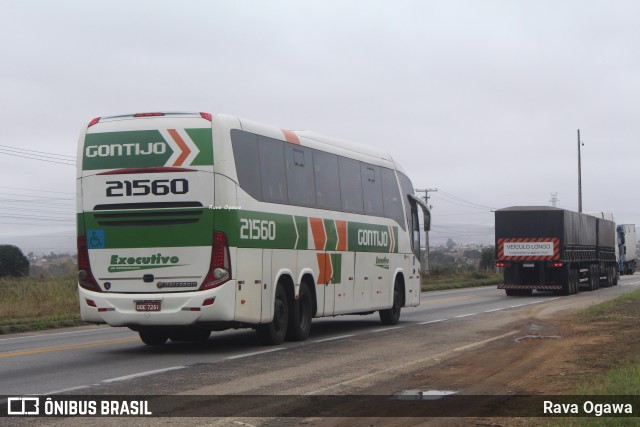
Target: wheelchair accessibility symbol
{"x":95,"y":238}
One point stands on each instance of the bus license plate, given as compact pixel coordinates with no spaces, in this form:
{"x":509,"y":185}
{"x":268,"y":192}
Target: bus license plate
{"x":528,"y":265}
{"x":147,"y":305}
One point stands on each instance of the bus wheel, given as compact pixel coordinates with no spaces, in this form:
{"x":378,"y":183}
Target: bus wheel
{"x":273,"y":333}
{"x":300,"y":318}
{"x":191,"y":335}
{"x":391,"y":316}
{"x":153,"y":336}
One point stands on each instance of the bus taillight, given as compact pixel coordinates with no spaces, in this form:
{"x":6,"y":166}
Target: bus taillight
{"x":85,"y":276}
{"x":220,"y":267}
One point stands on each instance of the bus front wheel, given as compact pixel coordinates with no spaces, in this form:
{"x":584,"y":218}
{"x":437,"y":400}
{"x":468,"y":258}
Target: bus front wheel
{"x":391,"y":316}
{"x":273,"y":333}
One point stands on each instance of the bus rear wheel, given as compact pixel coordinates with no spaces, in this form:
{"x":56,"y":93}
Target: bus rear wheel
{"x":274,"y":332}
{"x":153,"y":336}
{"x":391,"y":316}
{"x":190,"y":335}
{"x":300,"y":317}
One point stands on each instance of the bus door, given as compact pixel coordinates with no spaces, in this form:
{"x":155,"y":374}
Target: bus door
{"x":415,"y":269}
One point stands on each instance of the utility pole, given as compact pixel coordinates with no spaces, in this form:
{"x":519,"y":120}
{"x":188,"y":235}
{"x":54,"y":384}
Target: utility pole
{"x":579,"y":175}
{"x":425,"y":257}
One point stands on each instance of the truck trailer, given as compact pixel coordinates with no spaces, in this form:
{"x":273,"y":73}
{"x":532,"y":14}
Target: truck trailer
{"x":551,"y":249}
{"x":627,"y":248}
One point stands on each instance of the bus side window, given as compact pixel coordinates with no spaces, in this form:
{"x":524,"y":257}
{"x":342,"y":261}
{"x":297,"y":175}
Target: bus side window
{"x":300,"y":178}
{"x":350,"y":185}
{"x":272,"y":170}
{"x":391,"y":196}
{"x":245,"y":152}
{"x":325,"y":168}
{"x":371,"y":189}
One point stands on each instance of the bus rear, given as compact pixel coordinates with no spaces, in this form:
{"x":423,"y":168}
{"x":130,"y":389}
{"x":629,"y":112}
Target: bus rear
{"x":148,"y":254}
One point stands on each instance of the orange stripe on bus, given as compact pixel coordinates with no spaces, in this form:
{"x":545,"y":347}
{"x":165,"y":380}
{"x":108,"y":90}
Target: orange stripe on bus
{"x":290,"y":136}
{"x":183,"y":146}
{"x":319,"y":236}
{"x":325,"y":269}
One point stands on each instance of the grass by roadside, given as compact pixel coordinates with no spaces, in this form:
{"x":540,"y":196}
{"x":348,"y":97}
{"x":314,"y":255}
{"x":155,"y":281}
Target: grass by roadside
{"x":623,"y":379}
{"x":30,"y":303}
{"x":460,"y":280}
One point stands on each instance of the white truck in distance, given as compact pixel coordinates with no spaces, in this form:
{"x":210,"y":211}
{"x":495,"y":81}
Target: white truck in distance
{"x":626,"y":234}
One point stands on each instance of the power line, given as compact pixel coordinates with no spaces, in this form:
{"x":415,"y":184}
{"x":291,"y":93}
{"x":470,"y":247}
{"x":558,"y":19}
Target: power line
{"x":35,"y":158}
{"x":37,"y":153}
{"x":478,"y":205}
{"x":33,"y":189}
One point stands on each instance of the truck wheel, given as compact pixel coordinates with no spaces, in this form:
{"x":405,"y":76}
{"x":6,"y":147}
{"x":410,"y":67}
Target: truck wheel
{"x":153,"y":336}
{"x":274,"y":332}
{"x":567,"y":283}
{"x":391,"y":316}
{"x":592,"y":282}
{"x":300,"y":316}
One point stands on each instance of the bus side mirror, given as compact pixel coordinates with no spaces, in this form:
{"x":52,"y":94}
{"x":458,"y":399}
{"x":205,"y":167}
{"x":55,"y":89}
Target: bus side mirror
{"x":427,"y":221}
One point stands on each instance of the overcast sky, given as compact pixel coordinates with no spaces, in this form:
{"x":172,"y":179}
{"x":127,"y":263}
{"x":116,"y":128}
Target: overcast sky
{"x":479,"y":99}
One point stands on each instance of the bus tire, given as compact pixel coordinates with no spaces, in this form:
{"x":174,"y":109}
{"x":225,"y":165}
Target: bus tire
{"x":274,"y":332}
{"x":153,"y":336}
{"x":300,"y":315}
{"x":391,"y":316}
{"x":190,"y":335}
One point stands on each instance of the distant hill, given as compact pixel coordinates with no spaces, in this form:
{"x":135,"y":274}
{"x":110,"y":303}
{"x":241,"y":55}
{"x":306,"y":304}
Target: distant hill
{"x":462,"y":233}
{"x":59,"y":243}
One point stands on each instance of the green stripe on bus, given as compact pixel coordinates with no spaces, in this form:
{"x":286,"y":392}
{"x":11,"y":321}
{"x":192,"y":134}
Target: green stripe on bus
{"x":303,"y":232}
{"x":152,"y":231}
{"x":336,"y":263}
{"x":202,"y":139}
{"x":332,"y":235}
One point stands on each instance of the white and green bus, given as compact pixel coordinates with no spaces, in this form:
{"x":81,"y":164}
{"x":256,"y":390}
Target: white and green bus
{"x":190,"y":223}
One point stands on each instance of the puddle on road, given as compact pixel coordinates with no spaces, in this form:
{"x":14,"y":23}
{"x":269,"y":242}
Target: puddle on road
{"x":421,"y":394}
{"x":535,"y":333}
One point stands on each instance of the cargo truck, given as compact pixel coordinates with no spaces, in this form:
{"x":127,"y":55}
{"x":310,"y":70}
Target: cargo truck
{"x":627,"y":248}
{"x":551,"y":249}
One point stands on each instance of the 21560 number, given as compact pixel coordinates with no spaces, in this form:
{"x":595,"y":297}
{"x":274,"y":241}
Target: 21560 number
{"x":257,"y":229}
{"x":144,"y":187}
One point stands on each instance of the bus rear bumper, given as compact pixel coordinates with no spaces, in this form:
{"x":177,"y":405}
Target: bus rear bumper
{"x":175,"y":309}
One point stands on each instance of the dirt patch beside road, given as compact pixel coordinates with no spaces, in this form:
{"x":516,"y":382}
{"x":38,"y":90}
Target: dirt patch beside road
{"x":553,"y":355}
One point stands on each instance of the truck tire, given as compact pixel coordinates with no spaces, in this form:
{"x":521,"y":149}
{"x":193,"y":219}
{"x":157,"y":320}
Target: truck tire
{"x":568,"y":282}
{"x":593,"y":282}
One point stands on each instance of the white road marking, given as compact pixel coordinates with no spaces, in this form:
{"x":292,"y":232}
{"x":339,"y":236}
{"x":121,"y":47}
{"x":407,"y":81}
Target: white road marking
{"x":433,"y":321}
{"x":465,"y":315}
{"x":143,"y":374}
{"x":255,"y":353}
{"x":335,"y":338}
{"x":388,"y":329}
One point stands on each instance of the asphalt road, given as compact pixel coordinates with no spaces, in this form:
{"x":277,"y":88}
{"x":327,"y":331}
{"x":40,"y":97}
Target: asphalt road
{"x":341,"y":351}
